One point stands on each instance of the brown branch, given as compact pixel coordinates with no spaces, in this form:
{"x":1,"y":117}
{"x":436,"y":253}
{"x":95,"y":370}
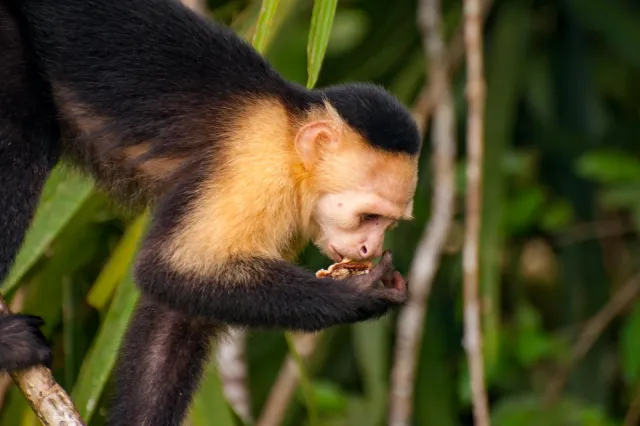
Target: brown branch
{"x":232,"y":368}
{"x":427,"y":257}
{"x":284,"y":389}
{"x":475,"y":147}
{"x":430,"y":95}
{"x":48,"y":400}
{"x":632,"y":418}
{"x":590,"y":333}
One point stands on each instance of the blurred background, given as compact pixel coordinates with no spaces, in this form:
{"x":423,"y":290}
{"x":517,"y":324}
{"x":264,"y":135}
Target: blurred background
{"x":559,"y":245}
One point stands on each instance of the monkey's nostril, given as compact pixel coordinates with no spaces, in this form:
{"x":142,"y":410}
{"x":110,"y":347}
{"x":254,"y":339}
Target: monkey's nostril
{"x":364,"y":250}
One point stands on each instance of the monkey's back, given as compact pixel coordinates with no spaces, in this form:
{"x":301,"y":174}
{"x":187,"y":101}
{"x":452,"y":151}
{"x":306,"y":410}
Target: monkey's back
{"x":143,"y":88}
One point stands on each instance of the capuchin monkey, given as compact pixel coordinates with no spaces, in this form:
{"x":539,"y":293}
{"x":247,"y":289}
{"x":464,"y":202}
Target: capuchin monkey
{"x":242,"y":168}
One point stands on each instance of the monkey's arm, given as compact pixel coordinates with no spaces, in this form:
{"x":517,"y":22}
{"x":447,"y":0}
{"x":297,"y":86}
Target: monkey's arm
{"x":268,"y":293}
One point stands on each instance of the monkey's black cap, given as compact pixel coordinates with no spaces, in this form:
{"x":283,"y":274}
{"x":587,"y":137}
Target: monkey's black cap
{"x":377,"y":115}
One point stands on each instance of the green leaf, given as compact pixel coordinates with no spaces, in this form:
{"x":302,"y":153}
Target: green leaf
{"x":370,"y":340}
{"x":116,"y":267}
{"x":62,"y":197}
{"x":616,"y":23}
{"x":527,"y":410}
{"x":321,"y":22}
{"x":102,"y":357}
{"x":557,"y":215}
{"x":609,"y":166}
{"x":330,"y":399}
{"x":630,"y":346}
{"x":505,"y":76}
{"x":210,"y":407}
{"x":263,"y":27}
{"x":524,"y":208}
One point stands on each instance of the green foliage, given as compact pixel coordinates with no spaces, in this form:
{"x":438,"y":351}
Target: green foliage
{"x":265,"y":18}
{"x":63,"y":195}
{"x":321,"y":22}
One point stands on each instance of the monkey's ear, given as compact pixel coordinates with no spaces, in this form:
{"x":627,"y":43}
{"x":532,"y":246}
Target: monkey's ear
{"x":313,"y":137}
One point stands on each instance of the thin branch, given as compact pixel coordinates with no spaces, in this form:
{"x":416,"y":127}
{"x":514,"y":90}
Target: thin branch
{"x":427,"y":257}
{"x":232,"y":368}
{"x":475,"y":147}
{"x":632,"y":418}
{"x":593,"y":328}
{"x":429,"y":97}
{"x":284,"y":389}
{"x":48,"y":400}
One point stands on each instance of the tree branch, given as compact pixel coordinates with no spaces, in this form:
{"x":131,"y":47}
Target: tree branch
{"x":48,"y":400}
{"x":475,"y":148}
{"x":429,"y":96}
{"x":427,"y":257}
{"x":232,"y":368}
{"x":593,"y":328}
{"x":284,"y":389}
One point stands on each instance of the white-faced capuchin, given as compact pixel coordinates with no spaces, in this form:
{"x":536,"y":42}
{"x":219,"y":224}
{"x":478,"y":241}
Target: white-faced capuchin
{"x":243,"y":168}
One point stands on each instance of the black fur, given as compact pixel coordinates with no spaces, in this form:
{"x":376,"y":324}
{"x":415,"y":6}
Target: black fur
{"x":22,"y":344}
{"x":28,"y":151}
{"x":161,"y":361}
{"x":376,"y":115}
{"x":152,"y":71}
{"x":260,"y":293}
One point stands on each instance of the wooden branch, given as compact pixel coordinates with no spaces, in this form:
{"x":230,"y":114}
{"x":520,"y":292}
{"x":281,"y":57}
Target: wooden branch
{"x":48,"y":400}
{"x":632,"y":418}
{"x":232,"y":368}
{"x":429,"y":96}
{"x":284,"y":389}
{"x":592,"y":329}
{"x":475,"y":147}
{"x":427,"y":257}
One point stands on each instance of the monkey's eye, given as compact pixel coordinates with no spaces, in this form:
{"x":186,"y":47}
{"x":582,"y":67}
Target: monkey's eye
{"x":367,"y":217}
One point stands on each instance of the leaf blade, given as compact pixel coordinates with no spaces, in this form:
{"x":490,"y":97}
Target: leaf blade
{"x":321,"y":23}
{"x":63,"y":195}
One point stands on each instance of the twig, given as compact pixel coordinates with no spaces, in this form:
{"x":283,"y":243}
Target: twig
{"x":632,"y":418}
{"x":475,"y":133}
{"x":591,"y":331}
{"x":427,"y":258}
{"x":591,"y":230}
{"x":48,"y":400}
{"x":429,"y":97}
{"x":284,"y":389}
{"x":232,"y":368}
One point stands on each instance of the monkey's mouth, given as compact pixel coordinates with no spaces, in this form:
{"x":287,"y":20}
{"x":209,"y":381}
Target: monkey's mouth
{"x":333,"y":254}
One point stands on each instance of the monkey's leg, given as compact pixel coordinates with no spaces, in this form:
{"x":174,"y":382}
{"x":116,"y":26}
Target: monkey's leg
{"x":159,"y":368}
{"x":28,"y":152}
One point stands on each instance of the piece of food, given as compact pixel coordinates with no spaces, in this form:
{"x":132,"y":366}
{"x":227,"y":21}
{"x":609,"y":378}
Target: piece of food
{"x":345,"y":269}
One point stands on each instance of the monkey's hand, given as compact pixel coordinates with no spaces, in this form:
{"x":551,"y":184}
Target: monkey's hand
{"x":22,"y":344}
{"x":393,"y":288}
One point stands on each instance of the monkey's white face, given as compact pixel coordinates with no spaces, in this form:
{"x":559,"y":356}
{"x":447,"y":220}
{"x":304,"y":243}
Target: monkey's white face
{"x":352,"y":224}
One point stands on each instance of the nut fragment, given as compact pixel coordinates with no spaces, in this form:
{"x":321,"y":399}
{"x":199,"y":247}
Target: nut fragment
{"x":345,"y":269}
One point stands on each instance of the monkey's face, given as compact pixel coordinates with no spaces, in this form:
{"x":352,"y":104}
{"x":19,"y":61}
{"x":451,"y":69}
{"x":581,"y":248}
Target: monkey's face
{"x":359,"y":191}
{"x":352,"y":224}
